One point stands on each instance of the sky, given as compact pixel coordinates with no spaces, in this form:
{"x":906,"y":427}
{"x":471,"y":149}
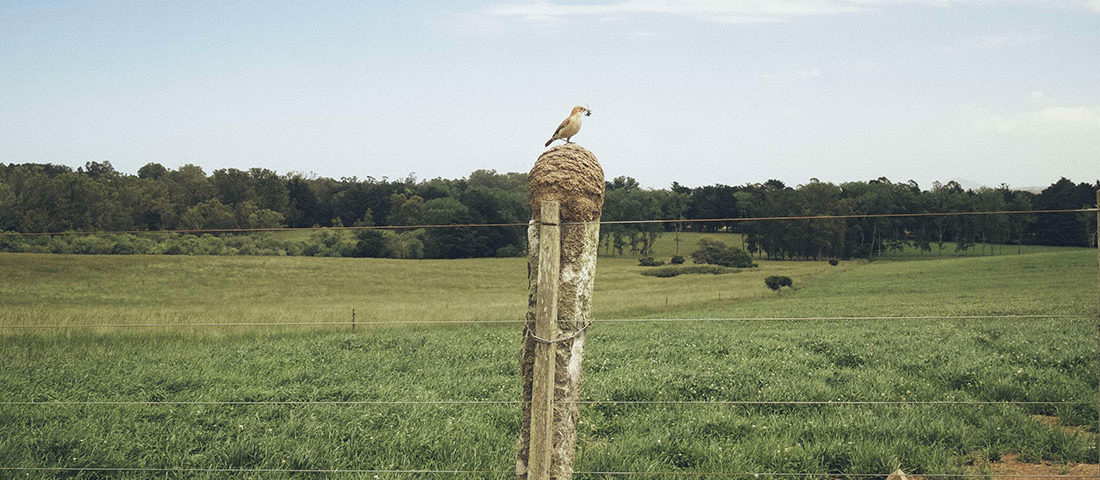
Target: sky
{"x":698,"y":92}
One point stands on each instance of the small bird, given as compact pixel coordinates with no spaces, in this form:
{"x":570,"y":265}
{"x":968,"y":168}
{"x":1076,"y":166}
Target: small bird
{"x":569,"y":126}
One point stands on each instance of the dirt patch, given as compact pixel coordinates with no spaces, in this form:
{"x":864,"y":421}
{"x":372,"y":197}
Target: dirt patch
{"x":1010,"y":466}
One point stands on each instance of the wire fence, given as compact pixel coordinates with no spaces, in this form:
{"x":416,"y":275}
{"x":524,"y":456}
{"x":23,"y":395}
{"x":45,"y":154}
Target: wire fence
{"x":669,"y":473}
{"x":519,"y":402}
{"x":472,"y":403}
{"x":520,"y":322}
{"x":601,"y":222}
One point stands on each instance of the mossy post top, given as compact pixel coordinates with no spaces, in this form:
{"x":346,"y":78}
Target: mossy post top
{"x":571,"y":175}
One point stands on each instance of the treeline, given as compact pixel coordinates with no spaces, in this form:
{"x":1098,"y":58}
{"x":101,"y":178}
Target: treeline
{"x":96,"y":197}
{"x":851,"y":237}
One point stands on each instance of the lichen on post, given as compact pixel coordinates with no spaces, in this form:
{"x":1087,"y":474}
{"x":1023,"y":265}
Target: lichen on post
{"x":570,"y":175}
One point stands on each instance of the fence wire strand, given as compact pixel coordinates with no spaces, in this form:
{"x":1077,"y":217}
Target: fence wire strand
{"x":520,"y":402}
{"x":670,"y":473}
{"x":601,"y":222}
{"x":520,"y":322}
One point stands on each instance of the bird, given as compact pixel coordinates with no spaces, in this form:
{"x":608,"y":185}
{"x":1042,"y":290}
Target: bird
{"x":570,"y":126}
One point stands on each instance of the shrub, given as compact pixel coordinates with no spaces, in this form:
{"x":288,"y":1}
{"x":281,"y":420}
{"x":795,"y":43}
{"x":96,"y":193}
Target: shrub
{"x":123,"y":247}
{"x":715,"y":252}
{"x":676,"y":260}
{"x":674,"y":270}
{"x":11,"y":243}
{"x":370,"y":243}
{"x":91,"y":244}
{"x":405,"y":244}
{"x":310,"y":249}
{"x":59,"y":244}
{"x":834,"y":262}
{"x":650,"y":262}
{"x":775,"y":282}
{"x":208,"y":244}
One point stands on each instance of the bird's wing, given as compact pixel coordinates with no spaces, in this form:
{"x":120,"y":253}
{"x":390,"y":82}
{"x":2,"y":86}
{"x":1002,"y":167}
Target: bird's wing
{"x":562,"y":126}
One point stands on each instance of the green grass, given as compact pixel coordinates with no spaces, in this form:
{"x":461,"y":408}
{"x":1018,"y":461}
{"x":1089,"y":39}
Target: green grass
{"x":965,"y":359}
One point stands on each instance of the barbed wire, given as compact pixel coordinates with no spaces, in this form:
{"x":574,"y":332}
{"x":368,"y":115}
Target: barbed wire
{"x":519,"y":322}
{"x":524,"y":224}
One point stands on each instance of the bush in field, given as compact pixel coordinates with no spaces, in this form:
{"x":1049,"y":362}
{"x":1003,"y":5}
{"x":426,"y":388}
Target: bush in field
{"x":59,"y":244}
{"x":11,"y":243}
{"x":369,"y":243}
{"x":676,"y":260}
{"x":714,"y":252}
{"x":775,"y":282}
{"x":834,"y":262}
{"x":674,"y":270}
{"x":269,"y":245}
{"x":310,"y":249}
{"x":124,"y":246}
{"x":208,"y":244}
{"x":650,"y":262}
{"x":334,"y":243}
{"x":404,"y":244}
{"x":90,"y":245}
{"x":189,"y":245}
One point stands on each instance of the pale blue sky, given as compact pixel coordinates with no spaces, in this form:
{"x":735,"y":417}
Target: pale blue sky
{"x":699,"y":92}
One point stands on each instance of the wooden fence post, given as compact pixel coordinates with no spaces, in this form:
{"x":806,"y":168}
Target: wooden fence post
{"x":546,"y":324}
{"x":567,"y":190}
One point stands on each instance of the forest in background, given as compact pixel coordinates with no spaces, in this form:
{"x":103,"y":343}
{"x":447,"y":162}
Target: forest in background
{"x":38,"y":198}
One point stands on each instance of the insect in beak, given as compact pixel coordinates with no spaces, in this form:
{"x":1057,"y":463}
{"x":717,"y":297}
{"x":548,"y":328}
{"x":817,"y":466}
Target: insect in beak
{"x":587,"y":111}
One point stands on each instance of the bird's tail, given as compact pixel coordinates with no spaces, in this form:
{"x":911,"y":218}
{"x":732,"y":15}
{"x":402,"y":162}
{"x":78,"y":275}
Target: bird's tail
{"x":548,"y":142}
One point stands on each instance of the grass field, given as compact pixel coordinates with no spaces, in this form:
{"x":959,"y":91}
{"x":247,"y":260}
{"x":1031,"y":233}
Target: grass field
{"x":992,"y":359}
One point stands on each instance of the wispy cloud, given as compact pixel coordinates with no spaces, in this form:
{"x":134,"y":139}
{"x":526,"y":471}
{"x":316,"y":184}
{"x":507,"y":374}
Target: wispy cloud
{"x":759,"y":11}
{"x":1075,"y":118}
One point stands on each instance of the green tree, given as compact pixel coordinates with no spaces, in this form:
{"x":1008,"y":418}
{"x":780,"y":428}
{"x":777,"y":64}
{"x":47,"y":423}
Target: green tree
{"x":714,"y":252}
{"x":152,"y":170}
{"x":209,"y":214}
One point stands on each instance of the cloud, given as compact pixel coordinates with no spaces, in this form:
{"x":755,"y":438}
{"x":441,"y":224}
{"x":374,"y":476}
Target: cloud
{"x":759,"y":11}
{"x":1060,"y":119}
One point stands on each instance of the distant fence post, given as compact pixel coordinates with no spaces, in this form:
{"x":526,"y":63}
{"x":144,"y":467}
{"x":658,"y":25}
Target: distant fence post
{"x":567,"y":189}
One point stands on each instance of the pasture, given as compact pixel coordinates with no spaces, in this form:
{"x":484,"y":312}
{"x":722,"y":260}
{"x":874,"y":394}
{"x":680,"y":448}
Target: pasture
{"x":964,"y":359}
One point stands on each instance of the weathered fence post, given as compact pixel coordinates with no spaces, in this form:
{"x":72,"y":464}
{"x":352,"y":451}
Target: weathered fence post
{"x":567,"y":190}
